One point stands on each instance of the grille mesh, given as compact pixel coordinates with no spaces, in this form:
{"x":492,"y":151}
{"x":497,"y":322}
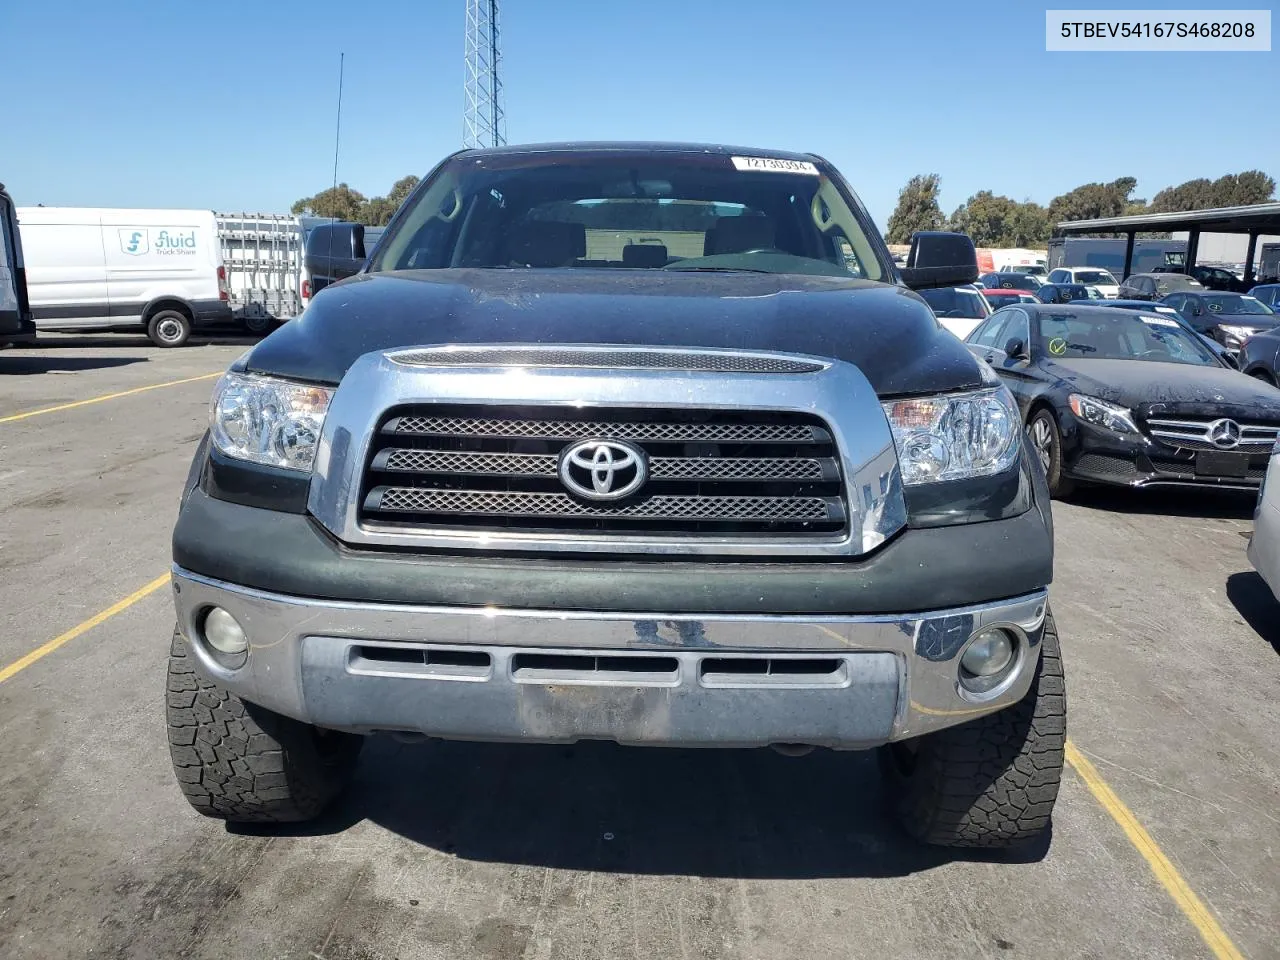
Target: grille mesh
{"x":706,"y":473}
{"x":719,"y":509}
{"x":660,"y":468}
{"x":617,"y":359}
{"x":664,"y":431}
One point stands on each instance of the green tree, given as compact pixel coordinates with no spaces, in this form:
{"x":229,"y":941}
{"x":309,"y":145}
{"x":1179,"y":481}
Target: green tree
{"x":995,"y":221}
{"x":340,"y":203}
{"x":378,"y":211}
{"x":1231,"y":190}
{"x":1028,"y":225}
{"x":1093,"y":200}
{"x":401,"y":189}
{"x":917,"y":209}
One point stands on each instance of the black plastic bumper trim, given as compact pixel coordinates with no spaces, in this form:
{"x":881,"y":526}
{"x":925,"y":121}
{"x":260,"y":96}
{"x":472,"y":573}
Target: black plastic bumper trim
{"x":920,"y":570}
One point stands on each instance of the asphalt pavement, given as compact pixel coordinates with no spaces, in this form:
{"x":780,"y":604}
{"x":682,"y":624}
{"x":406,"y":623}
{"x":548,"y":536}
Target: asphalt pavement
{"x":1165,"y":842}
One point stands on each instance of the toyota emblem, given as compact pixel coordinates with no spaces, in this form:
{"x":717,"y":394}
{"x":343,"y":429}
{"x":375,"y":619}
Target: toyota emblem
{"x":1224,"y":434}
{"x":603,"y":469}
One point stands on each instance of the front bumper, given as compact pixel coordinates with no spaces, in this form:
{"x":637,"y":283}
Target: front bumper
{"x":484,"y":673}
{"x":1096,"y":455}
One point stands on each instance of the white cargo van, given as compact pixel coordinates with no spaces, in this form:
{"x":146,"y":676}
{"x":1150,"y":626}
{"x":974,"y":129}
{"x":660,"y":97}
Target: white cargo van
{"x":106,"y":269}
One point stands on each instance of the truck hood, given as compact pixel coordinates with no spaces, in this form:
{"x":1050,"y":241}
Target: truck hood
{"x":887,"y":331}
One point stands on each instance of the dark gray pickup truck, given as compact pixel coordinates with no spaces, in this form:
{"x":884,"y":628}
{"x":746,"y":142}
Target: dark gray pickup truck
{"x":648,"y":443}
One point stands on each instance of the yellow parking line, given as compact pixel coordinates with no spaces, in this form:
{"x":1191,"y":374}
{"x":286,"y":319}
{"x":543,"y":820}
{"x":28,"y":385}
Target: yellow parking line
{"x":1214,"y":936}
{"x":97,"y":618}
{"x":106,"y":396}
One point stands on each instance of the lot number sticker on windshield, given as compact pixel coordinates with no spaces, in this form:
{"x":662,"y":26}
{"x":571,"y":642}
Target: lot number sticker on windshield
{"x":1160,"y":322}
{"x":774,"y":165}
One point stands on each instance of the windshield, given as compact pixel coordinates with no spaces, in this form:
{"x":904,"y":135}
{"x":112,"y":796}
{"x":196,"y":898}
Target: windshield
{"x":1169,"y":282}
{"x":631,"y":211}
{"x":954,"y":302}
{"x":1017,"y":281}
{"x":1121,"y":335}
{"x":1094,"y":276}
{"x":1236,"y":306}
{"x":1033,"y":269}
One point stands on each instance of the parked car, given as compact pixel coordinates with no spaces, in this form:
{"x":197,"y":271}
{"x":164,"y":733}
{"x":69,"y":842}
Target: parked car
{"x":1011,"y":280}
{"x":1153,"y":286}
{"x":1268,"y":293}
{"x":1001,"y":297}
{"x":1089,"y":276}
{"x":426,"y":507}
{"x":1217,"y":278}
{"x":1037,"y":270}
{"x":1062,"y":292}
{"x":1264,"y":544}
{"x":1135,"y":399}
{"x":1229,"y":318}
{"x":1164,"y":310}
{"x":959,"y":309}
{"x":16,"y":325}
{"x":97,"y":269}
{"x":1259,"y":354}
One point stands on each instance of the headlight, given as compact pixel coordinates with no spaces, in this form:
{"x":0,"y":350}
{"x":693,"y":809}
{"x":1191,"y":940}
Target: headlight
{"x":268,"y":421}
{"x":1235,"y":335}
{"x":1093,"y":410}
{"x":951,"y":437}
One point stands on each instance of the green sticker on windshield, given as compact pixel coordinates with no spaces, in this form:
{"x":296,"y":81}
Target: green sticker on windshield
{"x":1057,"y":346}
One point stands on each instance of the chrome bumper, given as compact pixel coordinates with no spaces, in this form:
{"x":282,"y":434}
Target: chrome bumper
{"x":546,"y":676}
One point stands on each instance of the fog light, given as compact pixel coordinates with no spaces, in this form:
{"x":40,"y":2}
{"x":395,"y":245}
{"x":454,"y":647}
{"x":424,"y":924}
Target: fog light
{"x":989,"y":654}
{"x":223,"y":633}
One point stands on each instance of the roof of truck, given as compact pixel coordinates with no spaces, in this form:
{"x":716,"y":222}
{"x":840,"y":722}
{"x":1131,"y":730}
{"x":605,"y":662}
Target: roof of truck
{"x":638,"y":146}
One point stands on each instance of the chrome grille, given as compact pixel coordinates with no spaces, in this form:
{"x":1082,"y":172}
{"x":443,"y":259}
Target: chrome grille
{"x":400,"y":460}
{"x":497,"y":503}
{"x":705,"y":361}
{"x":712,"y":473}
{"x":660,"y":431}
{"x":1193,"y":434}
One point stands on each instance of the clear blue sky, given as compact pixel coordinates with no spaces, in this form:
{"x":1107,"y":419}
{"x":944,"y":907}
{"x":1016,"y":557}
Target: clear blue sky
{"x":231,"y":105}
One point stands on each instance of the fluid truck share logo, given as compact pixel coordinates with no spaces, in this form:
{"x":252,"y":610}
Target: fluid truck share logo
{"x":164,"y":241}
{"x":134,"y":242}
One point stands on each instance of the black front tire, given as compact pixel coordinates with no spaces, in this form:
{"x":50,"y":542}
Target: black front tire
{"x":238,"y":761}
{"x":991,"y":782}
{"x":1046,"y":443}
{"x":169,"y":328}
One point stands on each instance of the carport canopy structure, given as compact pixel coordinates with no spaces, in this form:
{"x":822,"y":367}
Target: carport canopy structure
{"x":1256,"y":220}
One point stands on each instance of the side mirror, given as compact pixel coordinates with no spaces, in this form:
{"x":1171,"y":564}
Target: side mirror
{"x":334,"y":251}
{"x":940,"y":259}
{"x":1015,"y":349}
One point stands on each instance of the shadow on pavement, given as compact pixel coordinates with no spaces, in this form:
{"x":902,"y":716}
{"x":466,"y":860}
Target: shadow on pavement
{"x":1253,"y":600}
{"x":18,"y":363}
{"x":92,"y":341}
{"x":1169,"y":502}
{"x":749,"y":814}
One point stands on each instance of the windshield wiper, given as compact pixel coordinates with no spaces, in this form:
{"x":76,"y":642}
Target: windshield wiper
{"x":674,"y":269}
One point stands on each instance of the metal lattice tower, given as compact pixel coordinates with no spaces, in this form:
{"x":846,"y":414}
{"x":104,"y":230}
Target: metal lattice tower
{"x":483,"y":122}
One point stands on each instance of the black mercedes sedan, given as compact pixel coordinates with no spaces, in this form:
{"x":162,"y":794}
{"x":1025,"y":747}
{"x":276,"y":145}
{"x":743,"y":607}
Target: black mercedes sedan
{"x":1129,"y":398}
{"x":1229,"y":318}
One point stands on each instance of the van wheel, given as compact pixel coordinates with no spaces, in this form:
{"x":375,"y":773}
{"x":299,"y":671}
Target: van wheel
{"x":169,"y":328}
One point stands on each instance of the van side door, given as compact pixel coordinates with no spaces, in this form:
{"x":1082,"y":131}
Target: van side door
{"x":66,"y":269}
